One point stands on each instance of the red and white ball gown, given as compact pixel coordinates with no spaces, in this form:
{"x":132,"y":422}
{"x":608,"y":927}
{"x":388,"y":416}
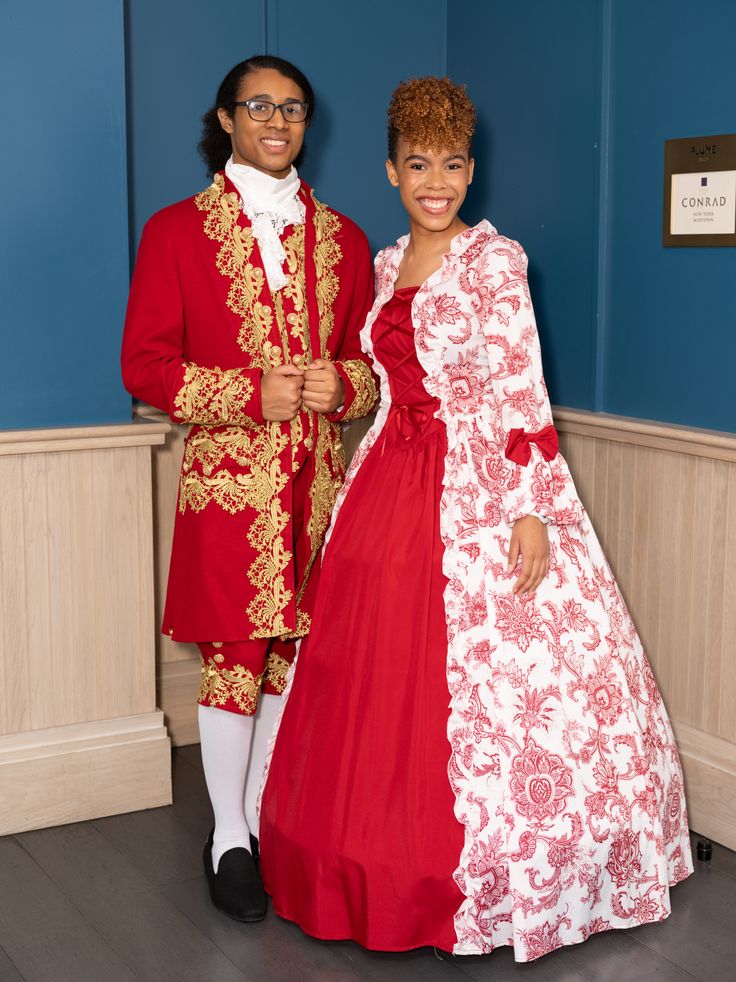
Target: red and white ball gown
{"x":456,"y":766}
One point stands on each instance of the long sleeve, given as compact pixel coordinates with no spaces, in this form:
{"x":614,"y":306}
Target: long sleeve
{"x":153,"y":363}
{"x":361,"y":387}
{"x":536,"y":478}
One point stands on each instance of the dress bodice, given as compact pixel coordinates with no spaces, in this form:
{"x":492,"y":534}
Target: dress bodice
{"x":412,"y":408}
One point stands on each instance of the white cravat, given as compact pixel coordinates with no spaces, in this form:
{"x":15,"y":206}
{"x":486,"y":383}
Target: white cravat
{"x":271,"y":204}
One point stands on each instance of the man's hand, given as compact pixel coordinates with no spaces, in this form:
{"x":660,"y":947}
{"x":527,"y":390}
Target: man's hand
{"x":529,"y":539}
{"x":281,"y":393}
{"x":323,"y":388}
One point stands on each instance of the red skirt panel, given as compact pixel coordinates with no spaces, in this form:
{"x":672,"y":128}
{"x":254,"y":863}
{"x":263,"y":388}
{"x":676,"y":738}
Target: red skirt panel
{"x":358,"y":835}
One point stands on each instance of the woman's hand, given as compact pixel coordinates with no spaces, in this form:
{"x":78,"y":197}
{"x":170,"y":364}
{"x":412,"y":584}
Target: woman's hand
{"x":323,"y":388}
{"x":529,"y":539}
{"x":281,"y":393}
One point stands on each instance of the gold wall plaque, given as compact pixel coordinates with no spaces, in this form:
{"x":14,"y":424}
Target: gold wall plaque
{"x":700,"y":191}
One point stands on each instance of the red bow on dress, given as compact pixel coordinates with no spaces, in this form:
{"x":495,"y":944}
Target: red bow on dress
{"x":519,"y":450}
{"x":409,"y":422}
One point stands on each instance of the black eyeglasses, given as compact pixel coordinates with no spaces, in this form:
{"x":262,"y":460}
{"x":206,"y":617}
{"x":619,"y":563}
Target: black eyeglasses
{"x":261,"y":112}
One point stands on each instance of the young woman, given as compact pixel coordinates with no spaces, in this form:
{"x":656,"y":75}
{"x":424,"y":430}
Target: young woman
{"x":546,"y":803}
{"x":243,"y":321}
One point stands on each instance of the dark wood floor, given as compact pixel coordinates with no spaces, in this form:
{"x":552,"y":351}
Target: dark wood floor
{"x":124,"y":898}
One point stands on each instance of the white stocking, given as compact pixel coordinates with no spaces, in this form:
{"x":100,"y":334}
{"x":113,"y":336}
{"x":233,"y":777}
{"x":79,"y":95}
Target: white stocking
{"x":226,"y":739}
{"x":268,"y":708}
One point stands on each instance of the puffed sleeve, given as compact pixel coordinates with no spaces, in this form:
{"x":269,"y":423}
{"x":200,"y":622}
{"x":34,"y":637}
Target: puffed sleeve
{"x":153,"y":365}
{"x":353,"y":367}
{"x":535,"y":478}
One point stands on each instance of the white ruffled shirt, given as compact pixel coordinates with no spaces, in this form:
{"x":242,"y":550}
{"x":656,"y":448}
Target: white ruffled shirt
{"x":271,"y":204}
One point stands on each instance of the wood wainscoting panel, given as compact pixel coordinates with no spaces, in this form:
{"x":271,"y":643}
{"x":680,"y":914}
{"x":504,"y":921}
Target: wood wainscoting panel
{"x":663,"y":502}
{"x":78,"y":586}
{"x":177,"y":663}
{"x":727,"y":706}
{"x":77,"y":616}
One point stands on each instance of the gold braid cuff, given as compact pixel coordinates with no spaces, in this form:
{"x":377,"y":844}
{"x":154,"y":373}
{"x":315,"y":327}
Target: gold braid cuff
{"x":219,"y":686}
{"x":214,"y":397}
{"x":276,"y":671}
{"x":366,"y":393}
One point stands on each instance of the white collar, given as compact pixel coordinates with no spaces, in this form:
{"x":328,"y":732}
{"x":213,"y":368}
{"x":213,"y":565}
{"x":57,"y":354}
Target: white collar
{"x":260,"y":192}
{"x":271,"y":204}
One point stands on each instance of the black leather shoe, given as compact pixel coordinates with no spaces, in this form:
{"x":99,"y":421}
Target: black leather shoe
{"x":236,"y":887}
{"x":254,"y":850}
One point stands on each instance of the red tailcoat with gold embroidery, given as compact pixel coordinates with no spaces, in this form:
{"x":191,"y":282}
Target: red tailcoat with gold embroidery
{"x":202,"y":328}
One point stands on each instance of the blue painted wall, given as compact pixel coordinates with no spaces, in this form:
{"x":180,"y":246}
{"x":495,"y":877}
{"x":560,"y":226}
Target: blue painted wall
{"x":670,"y":339}
{"x":576,"y":99}
{"x":533,"y":70}
{"x":64,"y":258}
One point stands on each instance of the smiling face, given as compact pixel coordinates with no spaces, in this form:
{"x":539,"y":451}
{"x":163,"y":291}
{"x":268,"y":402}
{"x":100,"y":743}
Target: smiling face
{"x":432,"y":185}
{"x":271,"y":146}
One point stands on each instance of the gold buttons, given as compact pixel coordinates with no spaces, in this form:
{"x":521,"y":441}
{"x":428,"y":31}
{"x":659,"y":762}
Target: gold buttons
{"x":219,"y":658}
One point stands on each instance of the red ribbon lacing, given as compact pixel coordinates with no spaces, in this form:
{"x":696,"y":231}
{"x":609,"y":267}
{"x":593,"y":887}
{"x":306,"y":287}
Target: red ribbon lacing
{"x":518,"y":445}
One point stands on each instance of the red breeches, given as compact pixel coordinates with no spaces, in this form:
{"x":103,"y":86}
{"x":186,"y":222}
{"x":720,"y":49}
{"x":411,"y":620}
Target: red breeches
{"x":234,"y":673}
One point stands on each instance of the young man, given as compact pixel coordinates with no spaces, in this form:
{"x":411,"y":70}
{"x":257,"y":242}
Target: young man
{"x":243,"y":321}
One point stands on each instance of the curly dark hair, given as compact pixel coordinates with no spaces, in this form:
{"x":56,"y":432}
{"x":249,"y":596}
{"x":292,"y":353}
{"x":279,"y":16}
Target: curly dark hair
{"x":215,"y":147}
{"x":432,"y":113}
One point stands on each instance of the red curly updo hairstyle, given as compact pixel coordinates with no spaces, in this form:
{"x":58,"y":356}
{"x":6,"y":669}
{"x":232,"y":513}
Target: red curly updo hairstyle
{"x":432,"y":113}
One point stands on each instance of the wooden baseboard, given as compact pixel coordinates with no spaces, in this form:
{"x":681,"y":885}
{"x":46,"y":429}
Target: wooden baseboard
{"x":709,"y":765}
{"x":83,"y":771}
{"x":177,"y":687}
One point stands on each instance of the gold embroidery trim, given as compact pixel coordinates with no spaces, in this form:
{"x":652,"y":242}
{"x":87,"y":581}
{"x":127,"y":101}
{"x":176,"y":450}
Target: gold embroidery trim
{"x":293,"y":327}
{"x":327,"y":254}
{"x":233,"y":260}
{"x":325,"y":486}
{"x":257,"y":487}
{"x":303,"y":620}
{"x":266,"y":572}
{"x":263,"y":482}
{"x":276,"y":671}
{"x":209,"y":449}
{"x":212,"y":397}
{"x":366,"y":393}
{"x":220,"y":685}
{"x":328,"y":445}
{"x":295,"y":290}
